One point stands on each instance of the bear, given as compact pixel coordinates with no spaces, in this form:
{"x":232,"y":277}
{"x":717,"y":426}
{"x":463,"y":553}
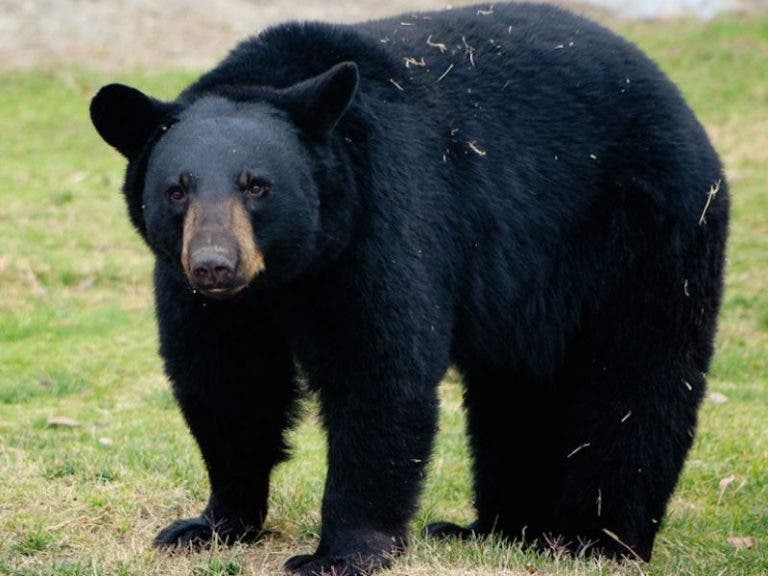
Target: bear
{"x":350,"y":210}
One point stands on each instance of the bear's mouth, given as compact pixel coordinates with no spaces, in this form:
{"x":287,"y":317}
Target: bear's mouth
{"x":223,"y":293}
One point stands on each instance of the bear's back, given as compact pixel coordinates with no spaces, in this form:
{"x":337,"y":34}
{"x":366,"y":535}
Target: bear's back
{"x":568,"y":96}
{"x":288,"y":53}
{"x":505,"y":44}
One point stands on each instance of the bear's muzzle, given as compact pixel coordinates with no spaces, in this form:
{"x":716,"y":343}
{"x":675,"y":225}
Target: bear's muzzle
{"x":219,"y":253}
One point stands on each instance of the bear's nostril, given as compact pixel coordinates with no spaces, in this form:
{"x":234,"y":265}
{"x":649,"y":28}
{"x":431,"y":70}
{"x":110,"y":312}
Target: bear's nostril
{"x":201,"y":272}
{"x":222,"y":274}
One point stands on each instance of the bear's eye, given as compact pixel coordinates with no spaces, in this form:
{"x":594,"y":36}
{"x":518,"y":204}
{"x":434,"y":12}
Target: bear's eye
{"x":176,"y":194}
{"x":253,"y":186}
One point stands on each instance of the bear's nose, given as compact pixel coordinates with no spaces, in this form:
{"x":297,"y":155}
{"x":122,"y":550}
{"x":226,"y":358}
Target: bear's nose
{"x":212,"y":269}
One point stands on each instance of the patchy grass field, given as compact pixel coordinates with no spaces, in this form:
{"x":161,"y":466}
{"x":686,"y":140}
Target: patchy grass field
{"x":78,"y":344}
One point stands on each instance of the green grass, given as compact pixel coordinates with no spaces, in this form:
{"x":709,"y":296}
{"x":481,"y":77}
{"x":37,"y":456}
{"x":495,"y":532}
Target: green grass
{"x":77,"y":339}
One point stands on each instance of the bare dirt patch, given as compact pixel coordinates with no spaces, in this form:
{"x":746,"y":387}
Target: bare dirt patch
{"x":111,"y":34}
{"x":107,"y":34}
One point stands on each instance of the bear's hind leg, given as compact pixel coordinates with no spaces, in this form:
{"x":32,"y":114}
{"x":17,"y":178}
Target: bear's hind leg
{"x":628,"y":432}
{"x":635,"y":378}
{"x":512,"y":430}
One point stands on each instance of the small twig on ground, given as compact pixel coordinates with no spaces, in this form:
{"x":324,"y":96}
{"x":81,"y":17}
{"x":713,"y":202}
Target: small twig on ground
{"x":396,"y":85}
{"x":724,"y":483}
{"x":615,"y":537}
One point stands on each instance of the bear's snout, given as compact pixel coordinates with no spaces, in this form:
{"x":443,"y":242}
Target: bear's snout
{"x":213,"y":268}
{"x":219,"y":253}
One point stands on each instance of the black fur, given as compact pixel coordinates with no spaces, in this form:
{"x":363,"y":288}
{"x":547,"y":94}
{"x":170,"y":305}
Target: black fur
{"x":522,"y":194}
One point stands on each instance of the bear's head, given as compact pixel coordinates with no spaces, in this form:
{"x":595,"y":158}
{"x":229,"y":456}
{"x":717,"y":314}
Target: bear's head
{"x":225,"y":186}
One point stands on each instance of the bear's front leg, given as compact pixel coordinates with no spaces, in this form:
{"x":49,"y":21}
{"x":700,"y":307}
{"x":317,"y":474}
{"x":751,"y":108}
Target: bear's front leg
{"x":234,"y":381}
{"x":379,"y":440}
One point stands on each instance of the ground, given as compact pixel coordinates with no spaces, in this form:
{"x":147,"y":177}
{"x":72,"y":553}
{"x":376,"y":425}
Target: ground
{"x":94,"y":457}
{"x":189,"y":33}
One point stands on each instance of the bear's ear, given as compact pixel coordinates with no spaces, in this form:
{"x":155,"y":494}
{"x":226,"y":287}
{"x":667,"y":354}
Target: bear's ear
{"x":317,"y":104}
{"x":126,"y":117}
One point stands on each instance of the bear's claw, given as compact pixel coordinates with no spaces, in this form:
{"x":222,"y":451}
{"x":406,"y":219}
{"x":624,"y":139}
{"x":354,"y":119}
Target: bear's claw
{"x":451,"y":530}
{"x":199,"y":532}
{"x":190,"y":533}
{"x":348,"y":565}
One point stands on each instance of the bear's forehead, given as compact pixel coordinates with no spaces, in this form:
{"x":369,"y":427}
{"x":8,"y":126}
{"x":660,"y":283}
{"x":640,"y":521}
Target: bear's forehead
{"x":217,"y":122}
{"x":223,"y":132}
{"x":213,"y":107}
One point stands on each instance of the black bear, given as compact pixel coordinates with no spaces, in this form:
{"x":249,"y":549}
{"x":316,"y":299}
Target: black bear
{"x":512,"y":190}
